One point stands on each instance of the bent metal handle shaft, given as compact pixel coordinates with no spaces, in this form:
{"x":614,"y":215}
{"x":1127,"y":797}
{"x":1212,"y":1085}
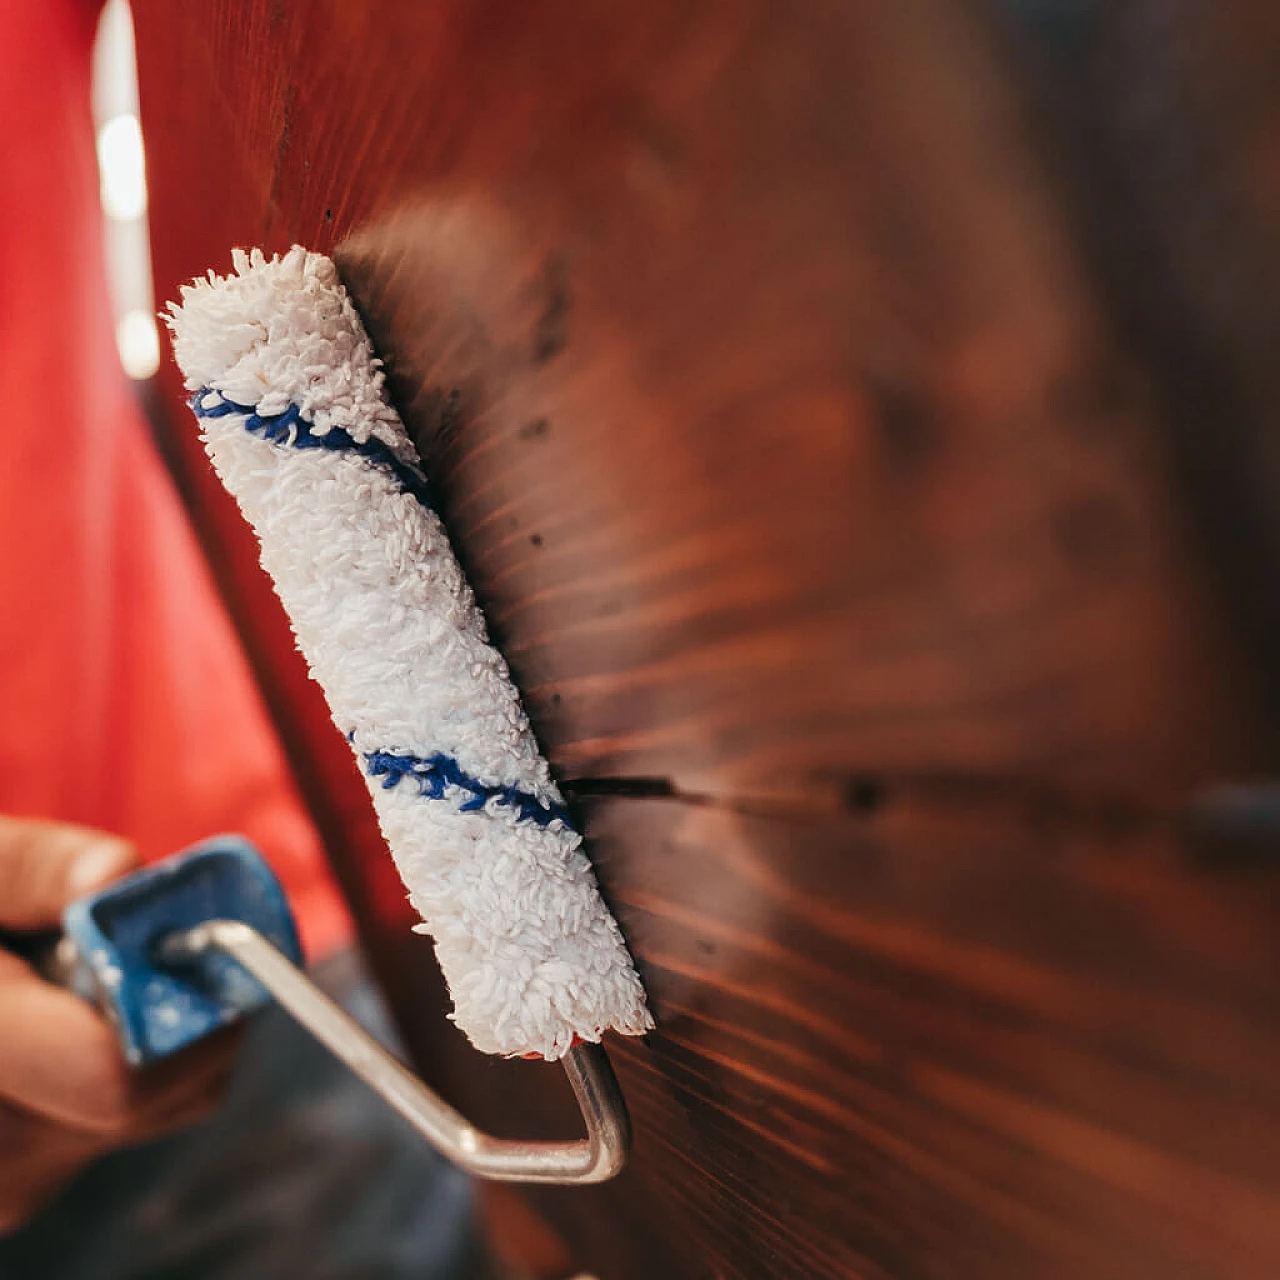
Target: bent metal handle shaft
{"x":595,"y":1158}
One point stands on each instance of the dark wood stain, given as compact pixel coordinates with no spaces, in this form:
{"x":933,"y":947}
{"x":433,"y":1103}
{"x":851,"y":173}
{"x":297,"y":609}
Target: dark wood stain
{"x":836,"y":521}
{"x":551,"y":335}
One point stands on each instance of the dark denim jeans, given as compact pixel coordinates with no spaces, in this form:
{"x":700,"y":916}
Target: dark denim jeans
{"x":303,"y":1173}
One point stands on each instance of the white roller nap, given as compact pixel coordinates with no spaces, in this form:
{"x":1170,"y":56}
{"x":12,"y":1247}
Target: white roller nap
{"x":291,"y":404}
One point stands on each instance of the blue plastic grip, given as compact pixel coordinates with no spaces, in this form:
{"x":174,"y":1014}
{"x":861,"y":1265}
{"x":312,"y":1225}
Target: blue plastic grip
{"x":158,"y":1010}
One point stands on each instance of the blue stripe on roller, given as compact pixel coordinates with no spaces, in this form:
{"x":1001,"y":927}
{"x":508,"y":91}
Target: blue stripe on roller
{"x":291,"y":429}
{"x":436,"y":774}
{"x":433,"y":774}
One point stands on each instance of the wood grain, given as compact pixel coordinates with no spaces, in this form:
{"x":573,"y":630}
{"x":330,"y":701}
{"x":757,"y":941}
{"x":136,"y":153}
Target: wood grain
{"x":832,"y":504}
{"x":1167,"y":114}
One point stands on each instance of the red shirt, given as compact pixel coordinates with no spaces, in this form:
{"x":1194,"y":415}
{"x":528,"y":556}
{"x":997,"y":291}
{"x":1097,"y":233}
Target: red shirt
{"x":125,"y":700}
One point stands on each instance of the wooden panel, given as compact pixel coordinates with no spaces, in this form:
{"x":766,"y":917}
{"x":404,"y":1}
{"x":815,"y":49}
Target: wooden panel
{"x":841,"y":542}
{"x":1167,"y":114}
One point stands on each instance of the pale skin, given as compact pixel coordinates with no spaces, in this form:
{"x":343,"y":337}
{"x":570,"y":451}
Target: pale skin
{"x":66,"y":1093}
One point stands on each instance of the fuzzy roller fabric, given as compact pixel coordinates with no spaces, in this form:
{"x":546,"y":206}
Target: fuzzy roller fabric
{"x":291,"y":404}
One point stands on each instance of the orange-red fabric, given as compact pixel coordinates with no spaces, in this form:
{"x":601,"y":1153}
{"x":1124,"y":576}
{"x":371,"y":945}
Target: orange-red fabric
{"x":125,"y":700}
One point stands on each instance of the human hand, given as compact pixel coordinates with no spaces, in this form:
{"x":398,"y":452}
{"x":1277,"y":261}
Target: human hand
{"x":66,"y":1093}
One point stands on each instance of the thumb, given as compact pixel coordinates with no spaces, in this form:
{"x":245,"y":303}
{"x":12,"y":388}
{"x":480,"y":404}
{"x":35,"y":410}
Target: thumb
{"x":44,"y":865}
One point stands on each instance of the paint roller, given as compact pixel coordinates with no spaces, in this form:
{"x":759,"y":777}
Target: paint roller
{"x":293,"y":412}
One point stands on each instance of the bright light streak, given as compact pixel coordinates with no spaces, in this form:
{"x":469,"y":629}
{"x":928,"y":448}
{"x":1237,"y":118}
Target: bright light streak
{"x":138,"y":343}
{"x":122,"y":169}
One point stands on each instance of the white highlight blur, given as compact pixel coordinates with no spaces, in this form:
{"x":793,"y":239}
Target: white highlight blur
{"x":123,"y":183}
{"x":122,"y":168}
{"x":138,"y":342}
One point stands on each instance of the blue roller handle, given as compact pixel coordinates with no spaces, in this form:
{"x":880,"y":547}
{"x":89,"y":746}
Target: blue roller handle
{"x":115,"y":934}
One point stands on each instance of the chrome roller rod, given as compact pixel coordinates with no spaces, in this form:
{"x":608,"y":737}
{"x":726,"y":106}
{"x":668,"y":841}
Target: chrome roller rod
{"x":595,"y":1158}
